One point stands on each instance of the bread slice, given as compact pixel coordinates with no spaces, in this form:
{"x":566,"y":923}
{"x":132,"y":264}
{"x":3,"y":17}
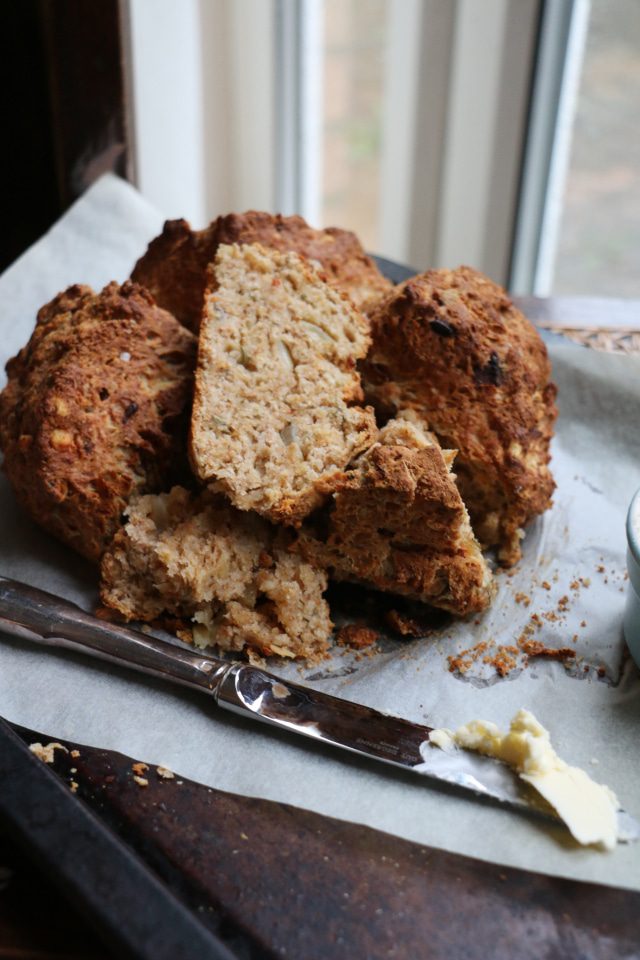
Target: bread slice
{"x":174,"y":267}
{"x":274,"y":422}
{"x":398,"y":524}
{"x":450,"y":345}
{"x":230,"y":572}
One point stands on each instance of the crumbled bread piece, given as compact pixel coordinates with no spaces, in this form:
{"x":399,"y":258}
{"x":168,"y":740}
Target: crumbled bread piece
{"x":200,"y":558}
{"x":174,"y":267}
{"x":405,"y":626}
{"x":165,"y":773}
{"x":398,"y":524}
{"x":356,"y":635}
{"x":450,"y":345}
{"x":46,"y":753}
{"x":141,"y":781}
{"x":273,"y":422}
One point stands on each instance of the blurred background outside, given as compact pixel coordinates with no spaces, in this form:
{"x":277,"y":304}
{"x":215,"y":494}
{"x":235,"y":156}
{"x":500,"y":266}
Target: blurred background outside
{"x":598,"y":247}
{"x":500,"y":133}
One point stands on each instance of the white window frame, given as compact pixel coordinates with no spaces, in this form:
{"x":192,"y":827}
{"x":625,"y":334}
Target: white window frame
{"x":227,"y":115}
{"x":559,"y":65}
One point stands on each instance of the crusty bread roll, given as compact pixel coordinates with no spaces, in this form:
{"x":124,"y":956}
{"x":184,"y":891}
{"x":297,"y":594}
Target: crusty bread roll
{"x":96,"y":409}
{"x":174,"y":267}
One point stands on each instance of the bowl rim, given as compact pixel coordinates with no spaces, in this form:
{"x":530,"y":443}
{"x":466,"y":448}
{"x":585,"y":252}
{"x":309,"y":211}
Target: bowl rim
{"x":633,"y":527}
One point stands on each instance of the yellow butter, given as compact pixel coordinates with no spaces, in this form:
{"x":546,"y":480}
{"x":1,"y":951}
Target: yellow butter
{"x":588,"y":808}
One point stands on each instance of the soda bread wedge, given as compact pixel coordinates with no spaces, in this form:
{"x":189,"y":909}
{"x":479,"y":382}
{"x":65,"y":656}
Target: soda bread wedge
{"x":275,"y":420}
{"x":229,"y":572}
{"x":96,"y":408}
{"x":397,"y":523}
{"x":451,"y":346}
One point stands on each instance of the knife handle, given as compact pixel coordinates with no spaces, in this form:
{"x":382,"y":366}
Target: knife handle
{"x":28,"y":612}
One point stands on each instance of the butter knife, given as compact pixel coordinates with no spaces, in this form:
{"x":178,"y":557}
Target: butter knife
{"x":250,"y":691}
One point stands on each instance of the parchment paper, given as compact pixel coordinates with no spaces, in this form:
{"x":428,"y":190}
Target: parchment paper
{"x":596,"y":460}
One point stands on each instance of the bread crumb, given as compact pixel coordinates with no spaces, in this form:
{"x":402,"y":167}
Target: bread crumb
{"x":356,"y":636}
{"x":546,"y":585}
{"x":405,"y":626}
{"x":75,"y":754}
{"x":46,"y":753}
{"x":523,"y":598}
{"x":141,"y":781}
{"x":165,"y":773}
{"x":139,"y":768}
{"x":73,"y":785}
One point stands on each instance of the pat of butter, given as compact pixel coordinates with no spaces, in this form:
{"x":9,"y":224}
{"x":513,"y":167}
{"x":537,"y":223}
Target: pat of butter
{"x":588,"y":808}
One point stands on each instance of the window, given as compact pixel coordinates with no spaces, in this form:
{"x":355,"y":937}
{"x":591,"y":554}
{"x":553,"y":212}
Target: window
{"x":440,"y":131}
{"x":598,"y":249}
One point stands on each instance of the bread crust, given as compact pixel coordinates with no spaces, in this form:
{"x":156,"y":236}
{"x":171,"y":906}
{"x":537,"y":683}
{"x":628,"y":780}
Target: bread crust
{"x":451,"y":346}
{"x":175,"y":264}
{"x":95,"y":408}
{"x":397,"y":523}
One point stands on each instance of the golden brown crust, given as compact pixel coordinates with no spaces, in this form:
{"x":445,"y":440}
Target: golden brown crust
{"x":451,"y":346}
{"x":93,"y":409}
{"x":398,"y":524}
{"x":174,"y":266}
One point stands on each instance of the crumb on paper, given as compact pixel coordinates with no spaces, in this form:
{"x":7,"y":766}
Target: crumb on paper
{"x":356,"y":636}
{"x":46,"y":753}
{"x":165,"y":773}
{"x":141,"y":781}
{"x":546,"y":585}
{"x":523,"y":598}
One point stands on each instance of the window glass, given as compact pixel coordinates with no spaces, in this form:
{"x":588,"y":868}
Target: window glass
{"x":598,"y":249}
{"x":354,"y":52}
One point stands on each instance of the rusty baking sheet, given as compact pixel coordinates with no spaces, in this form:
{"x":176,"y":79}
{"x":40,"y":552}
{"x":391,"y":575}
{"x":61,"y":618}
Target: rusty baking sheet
{"x":273,"y":880}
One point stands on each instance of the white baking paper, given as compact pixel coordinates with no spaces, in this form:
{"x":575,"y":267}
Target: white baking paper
{"x":594,"y":719}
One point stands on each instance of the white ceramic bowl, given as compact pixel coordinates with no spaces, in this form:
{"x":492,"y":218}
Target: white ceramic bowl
{"x":632,"y":609}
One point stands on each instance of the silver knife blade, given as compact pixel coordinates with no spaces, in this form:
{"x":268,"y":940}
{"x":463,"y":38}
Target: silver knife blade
{"x":250,"y":691}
